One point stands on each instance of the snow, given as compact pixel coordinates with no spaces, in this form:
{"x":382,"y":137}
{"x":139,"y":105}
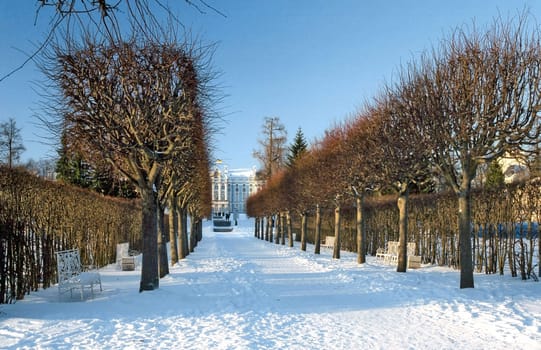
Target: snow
{"x":238,"y":292}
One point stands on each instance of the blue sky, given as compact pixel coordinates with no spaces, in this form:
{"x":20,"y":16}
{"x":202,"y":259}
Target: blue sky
{"x":312,"y":63}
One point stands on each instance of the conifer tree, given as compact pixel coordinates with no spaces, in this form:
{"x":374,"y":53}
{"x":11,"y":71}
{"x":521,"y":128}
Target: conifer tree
{"x":71,"y":168}
{"x":297,"y":148}
{"x":495,"y":178}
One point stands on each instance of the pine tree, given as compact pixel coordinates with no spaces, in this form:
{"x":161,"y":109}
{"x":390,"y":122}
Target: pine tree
{"x":72,"y":168}
{"x":297,"y":148}
{"x":495,"y":179}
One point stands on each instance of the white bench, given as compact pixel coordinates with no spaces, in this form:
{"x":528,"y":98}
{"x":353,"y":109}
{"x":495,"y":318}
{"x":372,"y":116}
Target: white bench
{"x":390,"y":255}
{"x":380,"y":254}
{"x":125,"y":258}
{"x":71,"y":275}
{"x":329,"y":242}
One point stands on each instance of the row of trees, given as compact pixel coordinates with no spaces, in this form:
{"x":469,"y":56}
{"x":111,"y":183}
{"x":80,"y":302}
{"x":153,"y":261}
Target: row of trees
{"x":131,"y":105}
{"x":141,"y":106}
{"x":498,"y":244}
{"x":138,"y":109}
{"x":464,"y":105}
{"x":39,"y":217}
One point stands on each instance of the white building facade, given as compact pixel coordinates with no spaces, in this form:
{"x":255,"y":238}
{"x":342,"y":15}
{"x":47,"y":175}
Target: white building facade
{"x":231,"y":188}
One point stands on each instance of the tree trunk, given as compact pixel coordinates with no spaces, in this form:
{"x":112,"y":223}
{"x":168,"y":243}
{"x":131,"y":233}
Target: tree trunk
{"x":173,"y":231}
{"x":193,"y":234}
{"x":317,"y":238}
{"x":278,"y":232}
{"x":289,"y":229}
{"x":162,"y":243}
{"x":402,"y":204}
{"x":262,"y":228}
{"x":275,"y":229}
{"x":182,"y":233}
{"x":304,"y":223}
{"x":502,"y":253}
{"x":511,"y":250}
{"x":337,"y":219}
{"x":522,"y":258}
{"x":199,"y":236}
{"x":268,"y":229}
{"x":149,"y":270}
{"x":531,"y":244}
{"x":283,"y":228}
{"x":361,"y":230}
{"x":464,"y":236}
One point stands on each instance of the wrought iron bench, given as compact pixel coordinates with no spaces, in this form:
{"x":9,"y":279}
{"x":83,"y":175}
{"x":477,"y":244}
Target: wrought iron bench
{"x":390,"y":255}
{"x":71,"y":275}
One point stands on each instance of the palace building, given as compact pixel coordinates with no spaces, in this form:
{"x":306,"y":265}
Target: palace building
{"x":231,"y":188}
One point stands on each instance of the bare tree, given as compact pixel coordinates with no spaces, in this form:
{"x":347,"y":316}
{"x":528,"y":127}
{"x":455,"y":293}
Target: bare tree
{"x":133,"y":105}
{"x":479,"y":97}
{"x":11,"y":145}
{"x":182,"y":186}
{"x":44,"y":168}
{"x":332,"y":177}
{"x":108,"y":18}
{"x":364,"y":154}
{"x":273,"y":146}
{"x":403,"y":156}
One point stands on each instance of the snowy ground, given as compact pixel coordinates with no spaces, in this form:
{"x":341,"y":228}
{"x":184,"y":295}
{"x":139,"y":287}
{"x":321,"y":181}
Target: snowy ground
{"x":237,"y":292}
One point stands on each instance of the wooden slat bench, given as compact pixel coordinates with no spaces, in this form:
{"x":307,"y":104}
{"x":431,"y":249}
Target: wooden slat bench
{"x":414,"y":261}
{"x":329,"y":242}
{"x":127,"y":263}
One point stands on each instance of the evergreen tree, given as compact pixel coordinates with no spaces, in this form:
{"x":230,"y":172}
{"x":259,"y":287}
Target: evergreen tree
{"x":297,"y":148}
{"x":72,"y":168}
{"x":495,"y":179}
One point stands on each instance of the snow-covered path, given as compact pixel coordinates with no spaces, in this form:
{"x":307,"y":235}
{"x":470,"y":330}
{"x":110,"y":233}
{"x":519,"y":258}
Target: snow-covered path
{"x":237,"y":292}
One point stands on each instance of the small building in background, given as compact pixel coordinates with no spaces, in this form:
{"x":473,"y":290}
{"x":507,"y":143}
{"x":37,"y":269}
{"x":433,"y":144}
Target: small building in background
{"x":231,"y":188}
{"x":515,"y":169}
